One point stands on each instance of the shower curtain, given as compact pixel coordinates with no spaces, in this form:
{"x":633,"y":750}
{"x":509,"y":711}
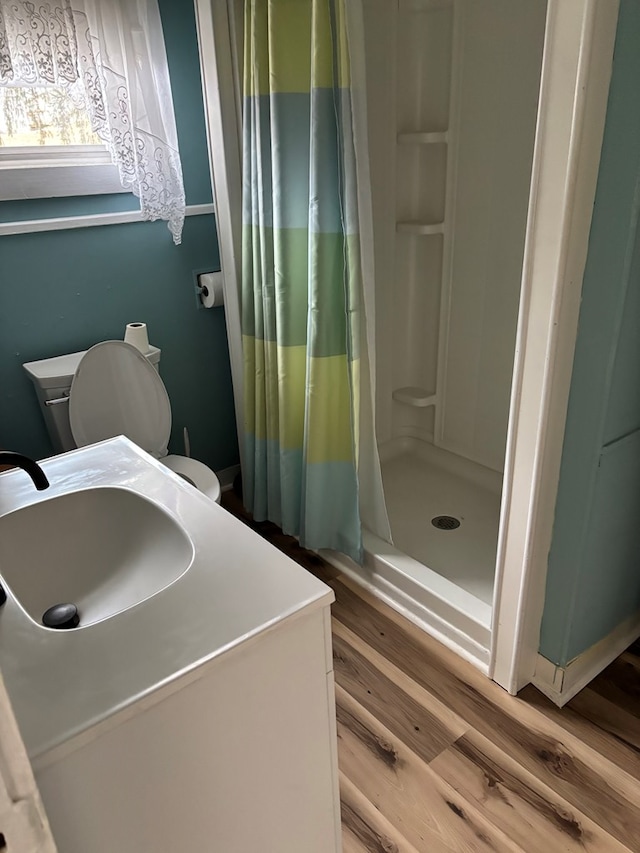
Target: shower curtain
{"x":310,"y":461}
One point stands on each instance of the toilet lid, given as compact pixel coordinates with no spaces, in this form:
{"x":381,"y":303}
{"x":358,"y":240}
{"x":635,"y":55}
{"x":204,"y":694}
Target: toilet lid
{"x":115,"y":391}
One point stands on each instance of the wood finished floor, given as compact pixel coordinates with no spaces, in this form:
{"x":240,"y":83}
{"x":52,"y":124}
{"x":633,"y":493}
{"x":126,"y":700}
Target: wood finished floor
{"x":435,"y":757}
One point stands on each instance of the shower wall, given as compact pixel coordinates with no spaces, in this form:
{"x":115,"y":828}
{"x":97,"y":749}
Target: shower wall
{"x":452,"y":100}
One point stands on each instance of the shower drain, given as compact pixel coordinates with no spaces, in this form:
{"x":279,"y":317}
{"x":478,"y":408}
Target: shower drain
{"x":445,"y":522}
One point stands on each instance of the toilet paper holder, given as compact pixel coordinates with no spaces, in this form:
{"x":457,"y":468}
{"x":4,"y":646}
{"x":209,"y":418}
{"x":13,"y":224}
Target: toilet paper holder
{"x":210,"y":289}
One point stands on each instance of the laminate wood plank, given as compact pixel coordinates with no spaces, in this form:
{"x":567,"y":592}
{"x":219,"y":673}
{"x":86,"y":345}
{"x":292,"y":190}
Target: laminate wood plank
{"x":421,"y":730}
{"x":634,"y":648}
{"x":531,"y":792}
{"x":620,"y":684}
{"x":453,"y":723}
{"x":617,"y":750}
{"x":621,"y":671}
{"x":630,"y":657}
{"x":610,"y":716}
{"x":577,"y":773}
{"x":533,"y":815}
{"x":368,"y":825}
{"x":351,"y":844}
{"x":430,"y":814}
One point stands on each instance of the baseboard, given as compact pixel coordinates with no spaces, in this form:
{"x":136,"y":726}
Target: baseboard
{"x":227,"y":476}
{"x":562,"y":683}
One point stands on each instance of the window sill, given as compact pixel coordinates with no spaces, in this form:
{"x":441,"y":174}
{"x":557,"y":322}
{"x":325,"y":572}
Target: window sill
{"x":55,"y":171}
{"x":64,"y":223}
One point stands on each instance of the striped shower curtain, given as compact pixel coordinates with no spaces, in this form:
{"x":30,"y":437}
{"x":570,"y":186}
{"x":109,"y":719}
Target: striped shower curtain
{"x":301,"y":274}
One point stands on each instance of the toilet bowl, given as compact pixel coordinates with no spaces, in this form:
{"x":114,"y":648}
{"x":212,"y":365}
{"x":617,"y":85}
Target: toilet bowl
{"x":115,"y":390}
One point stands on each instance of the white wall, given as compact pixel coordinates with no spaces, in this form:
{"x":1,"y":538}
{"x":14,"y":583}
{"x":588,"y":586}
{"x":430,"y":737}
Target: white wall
{"x":448,"y":302}
{"x":494,"y":134}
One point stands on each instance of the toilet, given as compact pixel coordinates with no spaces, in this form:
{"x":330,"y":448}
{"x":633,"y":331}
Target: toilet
{"x":113,"y":389}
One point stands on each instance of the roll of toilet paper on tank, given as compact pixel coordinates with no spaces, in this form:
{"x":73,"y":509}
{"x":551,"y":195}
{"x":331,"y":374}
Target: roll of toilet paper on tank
{"x":136,"y":334}
{"x":211,"y":289}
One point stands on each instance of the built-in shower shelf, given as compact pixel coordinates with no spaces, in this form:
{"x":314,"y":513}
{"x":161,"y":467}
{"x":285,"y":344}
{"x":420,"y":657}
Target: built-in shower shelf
{"x":420,"y":227}
{"x":413,"y":396}
{"x":423,"y":138}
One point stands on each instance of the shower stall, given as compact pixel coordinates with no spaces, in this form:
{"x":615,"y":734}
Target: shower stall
{"x":452,"y":97}
{"x":472,"y":112}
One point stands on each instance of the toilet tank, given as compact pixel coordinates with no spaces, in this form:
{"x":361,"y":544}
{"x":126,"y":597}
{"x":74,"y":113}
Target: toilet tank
{"x":52,"y":378}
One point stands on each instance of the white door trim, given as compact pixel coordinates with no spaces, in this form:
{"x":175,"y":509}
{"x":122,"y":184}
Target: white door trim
{"x":217,"y":40}
{"x":576,"y":72}
{"x":23,"y":821}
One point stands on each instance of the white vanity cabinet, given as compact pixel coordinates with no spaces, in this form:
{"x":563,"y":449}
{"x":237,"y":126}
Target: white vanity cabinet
{"x":200,"y":719}
{"x":236,"y":756}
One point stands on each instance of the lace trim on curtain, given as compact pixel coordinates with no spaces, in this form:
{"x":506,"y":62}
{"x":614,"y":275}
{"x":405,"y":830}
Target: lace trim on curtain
{"x":54,"y":43}
{"x":37,"y":44}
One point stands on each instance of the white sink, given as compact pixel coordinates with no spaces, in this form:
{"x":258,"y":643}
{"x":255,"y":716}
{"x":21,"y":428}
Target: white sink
{"x":103,"y":549}
{"x":166,"y":580}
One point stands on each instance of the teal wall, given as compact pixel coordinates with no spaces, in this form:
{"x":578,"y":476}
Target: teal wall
{"x":593,"y":582}
{"x":62,"y":291}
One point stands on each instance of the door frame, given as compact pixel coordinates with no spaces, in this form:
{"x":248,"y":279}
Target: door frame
{"x":576,"y":71}
{"x":218,"y":45}
{"x":23,"y":821}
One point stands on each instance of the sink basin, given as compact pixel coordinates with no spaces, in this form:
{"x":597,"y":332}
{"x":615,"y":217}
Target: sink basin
{"x":103,"y":549}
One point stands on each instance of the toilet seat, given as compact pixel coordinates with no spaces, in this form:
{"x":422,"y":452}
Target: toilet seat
{"x":116,"y":391}
{"x":196,"y":473}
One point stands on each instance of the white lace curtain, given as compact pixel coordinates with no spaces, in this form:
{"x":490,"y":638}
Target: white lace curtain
{"x":111,"y":54}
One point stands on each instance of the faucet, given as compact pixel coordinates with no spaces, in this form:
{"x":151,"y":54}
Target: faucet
{"x":7,"y":457}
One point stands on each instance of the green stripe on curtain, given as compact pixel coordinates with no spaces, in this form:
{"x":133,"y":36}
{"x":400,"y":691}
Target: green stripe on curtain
{"x":284,"y":37}
{"x":301,"y":274}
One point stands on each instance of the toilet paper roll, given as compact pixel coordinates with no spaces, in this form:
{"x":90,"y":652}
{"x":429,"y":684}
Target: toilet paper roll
{"x":136,"y":335}
{"x":211,"y":289}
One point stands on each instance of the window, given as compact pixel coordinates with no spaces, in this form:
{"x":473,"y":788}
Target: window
{"x":43,"y":115}
{"x":108,"y":55}
{"x":47,"y":146}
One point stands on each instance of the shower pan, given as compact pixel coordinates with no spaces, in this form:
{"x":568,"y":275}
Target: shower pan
{"x":484,"y":127}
